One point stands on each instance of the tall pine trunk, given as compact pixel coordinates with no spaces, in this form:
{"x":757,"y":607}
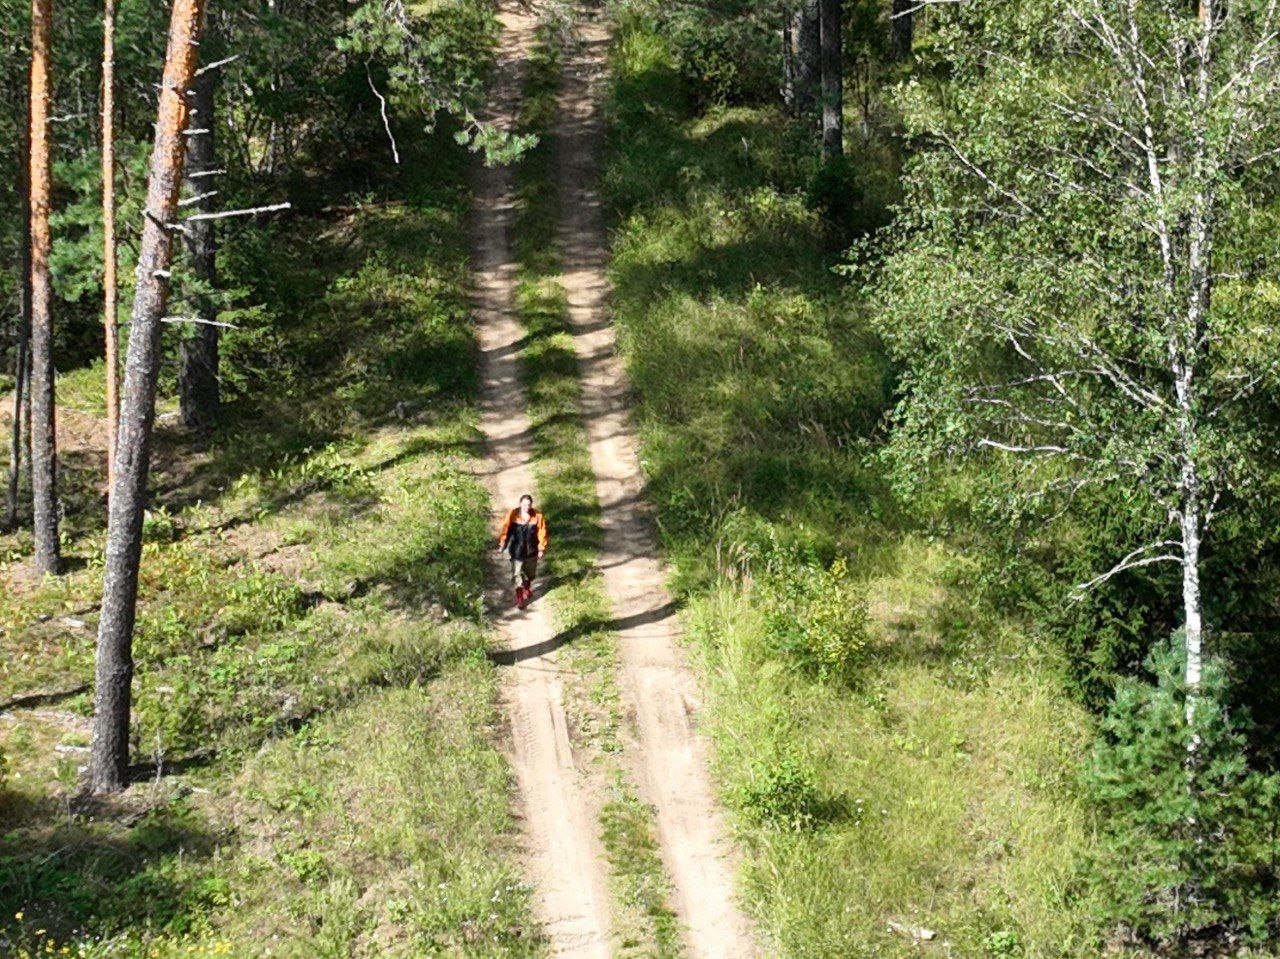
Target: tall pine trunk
{"x":44,"y":449}
{"x":902,"y":28}
{"x":109,"y":751}
{"x":832,"y":79}
{"x":199,"y":394}
{"x":22,"y":332}
{"x":788,"y":61}
{"x":808,"y":67}
{"x":110,"y":325}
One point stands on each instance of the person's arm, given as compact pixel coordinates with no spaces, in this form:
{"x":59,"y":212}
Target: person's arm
{"x":542,"y":533}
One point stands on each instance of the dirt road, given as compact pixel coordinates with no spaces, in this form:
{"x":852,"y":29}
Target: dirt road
{"x":666,"y":755}
{"x":669,"y":756}
{"x":558,"y":811}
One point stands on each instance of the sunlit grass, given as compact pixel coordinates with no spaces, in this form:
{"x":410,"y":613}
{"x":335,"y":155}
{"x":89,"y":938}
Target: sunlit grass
{"x":939,"y":786}
{"x":313,"y":710}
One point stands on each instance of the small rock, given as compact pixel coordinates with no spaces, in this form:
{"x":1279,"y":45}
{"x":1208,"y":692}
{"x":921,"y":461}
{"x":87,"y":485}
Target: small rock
{"x":918,"y":933}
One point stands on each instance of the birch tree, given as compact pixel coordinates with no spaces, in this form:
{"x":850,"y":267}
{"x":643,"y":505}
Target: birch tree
{"x":1069,"y":292}
{"x":109,"y":750}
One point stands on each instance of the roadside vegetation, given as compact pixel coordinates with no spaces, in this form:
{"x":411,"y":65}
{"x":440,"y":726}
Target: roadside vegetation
{"x":900,"y":756}
{"x":934,"y":391}
{"x":313,"y":704}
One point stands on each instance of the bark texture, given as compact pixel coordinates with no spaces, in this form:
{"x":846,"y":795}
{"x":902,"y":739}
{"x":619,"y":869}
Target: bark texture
{"x":831,"y":19}
{"x":110,"y":325}
{"x":22,"y":336}
{"x":902,"y":28}
{"x":199,"y":393}
{"x":44,"y":449}
{"x":109,"y":752}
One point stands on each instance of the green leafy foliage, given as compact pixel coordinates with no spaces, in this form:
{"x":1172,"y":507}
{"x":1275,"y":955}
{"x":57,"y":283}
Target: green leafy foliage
{"x":941,"y":784}
{"x":1191,"y":831}
{"x":781,"y":794}
{"x":813,"y":614}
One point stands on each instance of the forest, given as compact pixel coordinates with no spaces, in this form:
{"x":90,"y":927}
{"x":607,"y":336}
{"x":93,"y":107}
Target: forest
{"x":896,"y":387}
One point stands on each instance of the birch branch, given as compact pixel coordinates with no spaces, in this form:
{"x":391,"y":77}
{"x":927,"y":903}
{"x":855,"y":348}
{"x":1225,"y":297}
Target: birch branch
{"x":1129,"y":562}
{"x":382,"y":107}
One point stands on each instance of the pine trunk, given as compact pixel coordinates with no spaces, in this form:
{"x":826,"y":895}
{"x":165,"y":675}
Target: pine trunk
{"x":832,"y":79}
{"x":902,"y":28}
{"x":22,"y":333}
{"x":110,"y":325}
{"x":44,"y":449}
{"x":198,"y":388}
{"x":109,"y":752}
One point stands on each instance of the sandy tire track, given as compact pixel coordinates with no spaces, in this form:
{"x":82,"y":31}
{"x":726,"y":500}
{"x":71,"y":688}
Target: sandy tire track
{"x":670,"y":758}
{"x":558,"y":808}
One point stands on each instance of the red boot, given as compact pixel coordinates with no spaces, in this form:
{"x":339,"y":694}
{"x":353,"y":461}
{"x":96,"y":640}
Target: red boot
{"x":520,"y":597}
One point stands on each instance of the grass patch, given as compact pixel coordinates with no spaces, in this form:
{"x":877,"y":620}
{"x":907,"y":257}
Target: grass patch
{"x":313,"y":706}
{"x":929,"y":781}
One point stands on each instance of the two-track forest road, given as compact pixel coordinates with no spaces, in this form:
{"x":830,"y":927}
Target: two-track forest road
{"x":665,"y":752}
{"x":558,"y":811}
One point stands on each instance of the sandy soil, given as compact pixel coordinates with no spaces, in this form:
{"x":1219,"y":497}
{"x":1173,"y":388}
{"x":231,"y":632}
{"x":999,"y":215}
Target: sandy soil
{"x":670,"y":757}
{"x":558,"y":806}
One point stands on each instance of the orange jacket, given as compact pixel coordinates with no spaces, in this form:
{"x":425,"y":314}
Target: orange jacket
{"x":540,"y":523}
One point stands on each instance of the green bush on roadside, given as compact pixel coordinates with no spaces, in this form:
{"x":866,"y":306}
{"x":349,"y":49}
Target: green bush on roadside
{"x":813,"y":615}
{"x":781,"y":794}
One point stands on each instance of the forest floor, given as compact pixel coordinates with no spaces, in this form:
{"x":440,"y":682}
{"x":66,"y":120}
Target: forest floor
{"x":316,"y":718}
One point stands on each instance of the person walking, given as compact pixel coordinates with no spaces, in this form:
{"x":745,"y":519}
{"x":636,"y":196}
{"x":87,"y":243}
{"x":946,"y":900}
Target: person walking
{"x":523,"y":537}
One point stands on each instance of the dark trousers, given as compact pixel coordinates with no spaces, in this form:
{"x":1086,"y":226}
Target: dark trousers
{"x":523,"y":570}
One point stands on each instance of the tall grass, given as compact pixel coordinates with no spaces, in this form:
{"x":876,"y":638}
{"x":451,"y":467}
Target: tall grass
{"x":313,"y":705}
{"x":931,"y":798}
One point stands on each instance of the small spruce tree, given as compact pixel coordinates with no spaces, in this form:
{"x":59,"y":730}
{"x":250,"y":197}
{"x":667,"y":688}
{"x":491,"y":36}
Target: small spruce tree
{"x":1189,"y":848}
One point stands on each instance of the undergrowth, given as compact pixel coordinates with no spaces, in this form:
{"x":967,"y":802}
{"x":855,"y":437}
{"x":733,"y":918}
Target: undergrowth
{"x":313,"y":705}
{"x":899,"y":758}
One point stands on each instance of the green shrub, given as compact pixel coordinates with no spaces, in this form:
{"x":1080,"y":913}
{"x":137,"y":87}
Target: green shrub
{"x":781,"y":794}
{"x":836,"y":190}
{"x":728,"y":59}
{"x":1189,"y":847}
{"x":1002,"y":943}
{"x":813,"y":615}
